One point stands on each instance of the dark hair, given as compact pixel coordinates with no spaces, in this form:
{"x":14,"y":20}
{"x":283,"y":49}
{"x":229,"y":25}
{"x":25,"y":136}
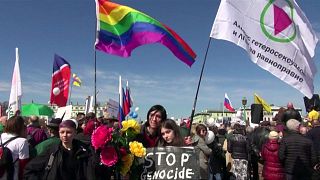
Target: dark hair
{"x":157,"y":108}
{"x":238,"y":129}
{"x":35,"y":121}
{"x":178,"y":140}
{"x":80,"y":115}
{"x":91,"y":115}
{"x":68,"y":123}
{"x":54,"y":123}
{"x":200,"y":127}
{"x":15,"y":125}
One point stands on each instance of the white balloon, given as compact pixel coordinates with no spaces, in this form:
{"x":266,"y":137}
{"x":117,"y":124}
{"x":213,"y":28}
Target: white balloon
{"x":56,"y":91}
{"x":210,"y":137}
{"x":136,"y":109}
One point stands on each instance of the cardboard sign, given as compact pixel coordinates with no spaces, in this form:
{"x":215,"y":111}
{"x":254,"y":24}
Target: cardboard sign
{"x":171,"y":163}
{"x":65,"y":111}
{"x":113,"y":108}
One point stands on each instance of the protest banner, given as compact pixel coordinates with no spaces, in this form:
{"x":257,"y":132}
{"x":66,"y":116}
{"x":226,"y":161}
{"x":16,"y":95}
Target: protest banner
{"x":277,"y":36}
{"x":171,"y":163}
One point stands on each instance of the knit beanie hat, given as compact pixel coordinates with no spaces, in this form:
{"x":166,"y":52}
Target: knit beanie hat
{"x":273,"y":135}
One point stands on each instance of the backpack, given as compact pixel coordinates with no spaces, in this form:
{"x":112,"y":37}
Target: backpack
{"x":6,"y":160}
{"x":30,"y":138}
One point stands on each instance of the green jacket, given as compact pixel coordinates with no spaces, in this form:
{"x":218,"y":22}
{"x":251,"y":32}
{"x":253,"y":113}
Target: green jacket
{"x":44,"y":145}
{"x":1,"y":128}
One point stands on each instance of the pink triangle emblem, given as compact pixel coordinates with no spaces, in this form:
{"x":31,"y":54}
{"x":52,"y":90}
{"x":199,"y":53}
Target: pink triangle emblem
{"x":281,"y":20}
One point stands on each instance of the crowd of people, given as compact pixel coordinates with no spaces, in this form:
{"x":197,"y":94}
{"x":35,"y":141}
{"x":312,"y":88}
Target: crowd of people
{"x":286,"y":148}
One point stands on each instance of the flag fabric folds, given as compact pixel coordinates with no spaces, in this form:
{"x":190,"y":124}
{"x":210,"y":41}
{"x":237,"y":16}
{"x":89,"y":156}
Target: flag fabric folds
{"x":60,"y":81}
{"x":227,"y":103}
{"x":259,"y":100}
{"x":127,"y":104}
{"x":16,"y":91}
{"x":121,"y":115}
{"x":277,"y":36}
{"x":76,"y":81}
{"x":121,"y":29}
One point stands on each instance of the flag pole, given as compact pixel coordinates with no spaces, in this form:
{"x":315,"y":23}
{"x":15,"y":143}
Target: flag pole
{"x":222,"y":109}
{"x":95,"y":62}
{"x":199,"y":82}
{"x":95,"y":82}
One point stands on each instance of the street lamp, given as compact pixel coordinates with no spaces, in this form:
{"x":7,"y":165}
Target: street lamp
{"x":244,"y":103}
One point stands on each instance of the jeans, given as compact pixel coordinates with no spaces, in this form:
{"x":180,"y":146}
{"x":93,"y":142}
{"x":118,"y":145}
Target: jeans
{"x":216,"y":176}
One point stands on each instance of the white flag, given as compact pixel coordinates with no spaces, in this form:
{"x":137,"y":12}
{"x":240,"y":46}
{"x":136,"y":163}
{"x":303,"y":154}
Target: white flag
{"x":16,"y":92}
{"x":89,"y":105}
{"x":121,"y":115}
{"x":276,"y":34}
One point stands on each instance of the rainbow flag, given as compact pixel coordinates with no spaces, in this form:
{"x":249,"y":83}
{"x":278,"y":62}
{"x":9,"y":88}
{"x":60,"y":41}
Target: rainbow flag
{"x":121,"y":29}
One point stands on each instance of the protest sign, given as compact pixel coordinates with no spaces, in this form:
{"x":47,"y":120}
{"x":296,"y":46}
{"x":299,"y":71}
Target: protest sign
{"x":113,"y":108}
{"x":65,"y":112}
{"x":171,"y":163}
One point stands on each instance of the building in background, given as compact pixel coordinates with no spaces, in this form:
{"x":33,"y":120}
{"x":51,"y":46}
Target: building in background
{"x":79,"y":108}
{"x":219,"y":116}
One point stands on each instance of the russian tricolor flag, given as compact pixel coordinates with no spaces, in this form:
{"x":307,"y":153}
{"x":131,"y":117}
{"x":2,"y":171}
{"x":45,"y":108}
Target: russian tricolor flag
{"x":127,"y":101}
{"x":227,"y":103}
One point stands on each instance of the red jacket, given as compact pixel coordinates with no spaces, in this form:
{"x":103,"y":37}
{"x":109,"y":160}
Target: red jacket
{"x":272,"y":168}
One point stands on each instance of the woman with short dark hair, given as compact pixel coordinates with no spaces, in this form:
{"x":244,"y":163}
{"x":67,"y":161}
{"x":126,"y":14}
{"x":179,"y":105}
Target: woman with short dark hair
{"x":150,"y":131}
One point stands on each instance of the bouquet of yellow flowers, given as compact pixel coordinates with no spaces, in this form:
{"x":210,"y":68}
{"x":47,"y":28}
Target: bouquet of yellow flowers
{"x":118,"y":148}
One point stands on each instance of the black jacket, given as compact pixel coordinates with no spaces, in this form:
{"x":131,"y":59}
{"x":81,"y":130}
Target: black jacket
{"x":238,"y":146}
{"x":297,"y":154}
{"x":291,"y":114}
{"x":81,"y":160}
{"x":217,"y":161}
{"x":314,"y":135}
